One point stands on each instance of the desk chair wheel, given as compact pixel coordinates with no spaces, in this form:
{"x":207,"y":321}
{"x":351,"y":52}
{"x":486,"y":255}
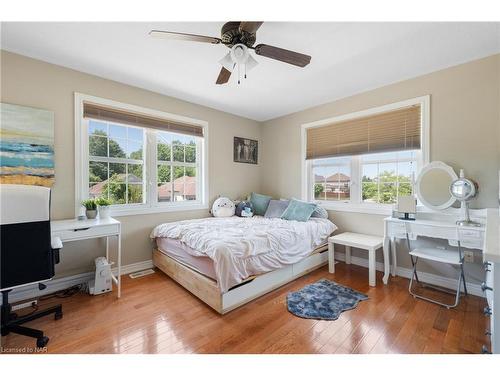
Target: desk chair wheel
{"x":41,"y":342}
{"x":58,"y":315}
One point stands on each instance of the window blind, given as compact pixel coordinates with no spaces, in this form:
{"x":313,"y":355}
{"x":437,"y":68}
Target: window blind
{"x":97,"y":112}
{"x":396,"y":130}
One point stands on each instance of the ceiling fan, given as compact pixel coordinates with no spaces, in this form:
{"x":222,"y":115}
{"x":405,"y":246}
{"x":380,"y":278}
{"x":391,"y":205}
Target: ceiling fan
{"x":240,"y":38}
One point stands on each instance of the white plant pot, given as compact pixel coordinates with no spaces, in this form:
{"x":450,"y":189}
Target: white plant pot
{"x":103,"y":212}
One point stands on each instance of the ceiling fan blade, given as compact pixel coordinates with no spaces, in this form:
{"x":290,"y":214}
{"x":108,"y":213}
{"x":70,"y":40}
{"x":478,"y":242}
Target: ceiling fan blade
{"x":250,"y":27}
{"x":182,"y":36}
{"x":276,"y":53}
{"x":223,"y":76}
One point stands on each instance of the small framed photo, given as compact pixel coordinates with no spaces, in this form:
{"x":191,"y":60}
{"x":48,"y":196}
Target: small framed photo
{"x":246,"y":150}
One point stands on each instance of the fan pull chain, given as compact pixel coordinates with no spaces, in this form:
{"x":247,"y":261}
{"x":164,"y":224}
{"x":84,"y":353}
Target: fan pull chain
{"x":245,"y":71}
{"x":239,"y":74}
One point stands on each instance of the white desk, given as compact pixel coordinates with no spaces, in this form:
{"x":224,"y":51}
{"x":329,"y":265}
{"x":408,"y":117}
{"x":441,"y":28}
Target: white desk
{"x":441,"y":226}
{"x":76,"y":230}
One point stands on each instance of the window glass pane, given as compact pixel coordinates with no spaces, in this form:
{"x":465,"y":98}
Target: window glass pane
{"x":190,"y":191}
{"x":134,"y":173}
{"x":370,"y":172}
{"x":97,"y":190}
{"x":163,"y":151}
{"x":323,"y":178}
{"x":190,"y":154}
{"x":164,"y":192}
{"x":178,"y":153}
{"x":98,"y":171}
{"x":134,"y":150}
{"x":163,"y":137}
{"x":117,"y":148}
{"x":164,"y":173}
{"x":117,"y":193}
{"x":117,"y":131}
{"x":343,"y":186}
{"x":98,"y":128}
{"x":117,"y":172}
{"x":179,"y":139}
{"x":135,"y":193}
{"x":404,"y":190}
{"x":190,"y":171}
{"x":98,"y":146}
{"x":387,"y":193}
{"x":369,"y":192}
{"x":178,"y":172}
{"x":135,"y":134}
{"x":387,"y":172}
{"x":406,"y":171}
{"x":319,"y":191}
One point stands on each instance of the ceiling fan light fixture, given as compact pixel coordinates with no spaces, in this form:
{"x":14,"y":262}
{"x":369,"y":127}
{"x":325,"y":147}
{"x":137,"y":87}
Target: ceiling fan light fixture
{"x":251,"y":63}
{"x":227,"y":62}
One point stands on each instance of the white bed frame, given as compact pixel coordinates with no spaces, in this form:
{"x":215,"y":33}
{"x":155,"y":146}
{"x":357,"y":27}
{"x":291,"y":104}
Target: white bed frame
{"x":208,"y":291}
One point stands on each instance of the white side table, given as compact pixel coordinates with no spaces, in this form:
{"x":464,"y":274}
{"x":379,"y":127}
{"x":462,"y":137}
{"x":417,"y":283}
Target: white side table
{"x":360,"y":241}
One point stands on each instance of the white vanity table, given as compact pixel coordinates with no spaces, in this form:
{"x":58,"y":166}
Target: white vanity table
{"x":433,"y":225}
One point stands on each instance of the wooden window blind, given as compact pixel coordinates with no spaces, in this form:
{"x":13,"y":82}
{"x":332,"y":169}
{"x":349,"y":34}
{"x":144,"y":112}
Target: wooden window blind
{"x":98,"y":112}
{"x":396,"y":130}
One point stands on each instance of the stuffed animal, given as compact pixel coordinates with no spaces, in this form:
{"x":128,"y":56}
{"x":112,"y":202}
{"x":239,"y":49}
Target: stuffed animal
{"x":223,"y":207}
{"x":242,"y":207}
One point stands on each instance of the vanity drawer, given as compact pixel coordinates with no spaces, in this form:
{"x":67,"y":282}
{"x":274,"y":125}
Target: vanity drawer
{"x":489,"y":282}
{"x":87,"y":232}
{"x":397,"y":230}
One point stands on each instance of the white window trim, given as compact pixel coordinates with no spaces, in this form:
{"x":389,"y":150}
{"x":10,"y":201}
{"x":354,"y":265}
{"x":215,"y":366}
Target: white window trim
{"x":357,"y":206}
{"x":81,"y":156}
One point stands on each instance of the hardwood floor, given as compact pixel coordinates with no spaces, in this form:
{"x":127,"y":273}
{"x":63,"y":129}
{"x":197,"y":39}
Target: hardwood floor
{"x":156,"y":315}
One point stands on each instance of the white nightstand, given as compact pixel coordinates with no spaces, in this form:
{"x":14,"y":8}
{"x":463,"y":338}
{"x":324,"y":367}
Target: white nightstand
{"x":360,"y":241}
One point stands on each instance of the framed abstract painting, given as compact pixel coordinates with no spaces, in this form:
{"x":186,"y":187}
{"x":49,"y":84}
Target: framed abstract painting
{"x":26,"y":145}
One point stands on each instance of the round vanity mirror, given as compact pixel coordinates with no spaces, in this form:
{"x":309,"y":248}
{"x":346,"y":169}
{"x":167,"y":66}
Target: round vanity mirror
{"x":463,"y":189}
{"x":433,"y":185}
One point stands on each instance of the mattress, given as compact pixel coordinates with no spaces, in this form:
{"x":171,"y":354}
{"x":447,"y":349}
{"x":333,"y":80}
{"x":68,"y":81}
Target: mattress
{"x":184,"y":254}
{"x":241,"y":247}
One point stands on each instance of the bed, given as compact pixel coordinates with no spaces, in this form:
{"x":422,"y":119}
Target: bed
{"x":227,"y":262}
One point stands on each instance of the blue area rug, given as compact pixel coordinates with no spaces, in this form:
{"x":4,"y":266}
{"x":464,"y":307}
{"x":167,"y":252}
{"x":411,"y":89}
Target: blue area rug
{"x":324,"y":299}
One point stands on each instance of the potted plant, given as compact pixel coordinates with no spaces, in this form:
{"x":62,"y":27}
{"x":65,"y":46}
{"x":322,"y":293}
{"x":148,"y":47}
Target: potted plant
{"x":90,"y":208}
{"x":103,"y":207}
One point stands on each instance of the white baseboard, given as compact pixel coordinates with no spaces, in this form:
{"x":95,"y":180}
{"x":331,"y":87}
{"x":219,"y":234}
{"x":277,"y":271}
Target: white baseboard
{"x":445,"y":282}
{"x":62,"y":283}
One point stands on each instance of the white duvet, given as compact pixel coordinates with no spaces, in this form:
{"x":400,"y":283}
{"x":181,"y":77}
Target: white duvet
{"x":243,"y":247}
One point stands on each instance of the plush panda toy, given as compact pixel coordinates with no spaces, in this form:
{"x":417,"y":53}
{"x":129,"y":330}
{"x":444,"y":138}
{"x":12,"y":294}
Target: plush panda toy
{"x":223,"y":207}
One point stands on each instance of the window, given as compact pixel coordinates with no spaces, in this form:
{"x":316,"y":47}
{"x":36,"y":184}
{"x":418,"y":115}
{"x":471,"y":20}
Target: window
{"x":364,"y":161}
{"x":332,"y":179}
{"x":116,"y":162}
{"x":141,"y":160}
{"x":386,"y":176}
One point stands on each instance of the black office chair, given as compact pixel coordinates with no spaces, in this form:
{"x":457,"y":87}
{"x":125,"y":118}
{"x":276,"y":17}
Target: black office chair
{"x":27,"y":252}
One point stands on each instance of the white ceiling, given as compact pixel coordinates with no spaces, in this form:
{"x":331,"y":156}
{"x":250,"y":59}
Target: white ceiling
{"x":347,"y":58}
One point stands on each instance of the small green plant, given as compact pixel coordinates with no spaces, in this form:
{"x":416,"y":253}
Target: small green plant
{"x":101,"y":201}
{"x":89,"y":204}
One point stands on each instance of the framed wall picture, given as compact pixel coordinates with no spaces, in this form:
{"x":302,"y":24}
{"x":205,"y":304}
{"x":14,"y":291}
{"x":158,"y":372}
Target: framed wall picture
{"x":245,"y":150}
{"x":26,"y":145}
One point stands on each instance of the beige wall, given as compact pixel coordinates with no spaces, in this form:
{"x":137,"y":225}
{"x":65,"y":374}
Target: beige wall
{"x":29,"y":82}
{"x":464,"y":134}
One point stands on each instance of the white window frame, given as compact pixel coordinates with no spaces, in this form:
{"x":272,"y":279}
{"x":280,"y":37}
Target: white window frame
{"x":151,"y":204}
{"x":355,"y":204}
